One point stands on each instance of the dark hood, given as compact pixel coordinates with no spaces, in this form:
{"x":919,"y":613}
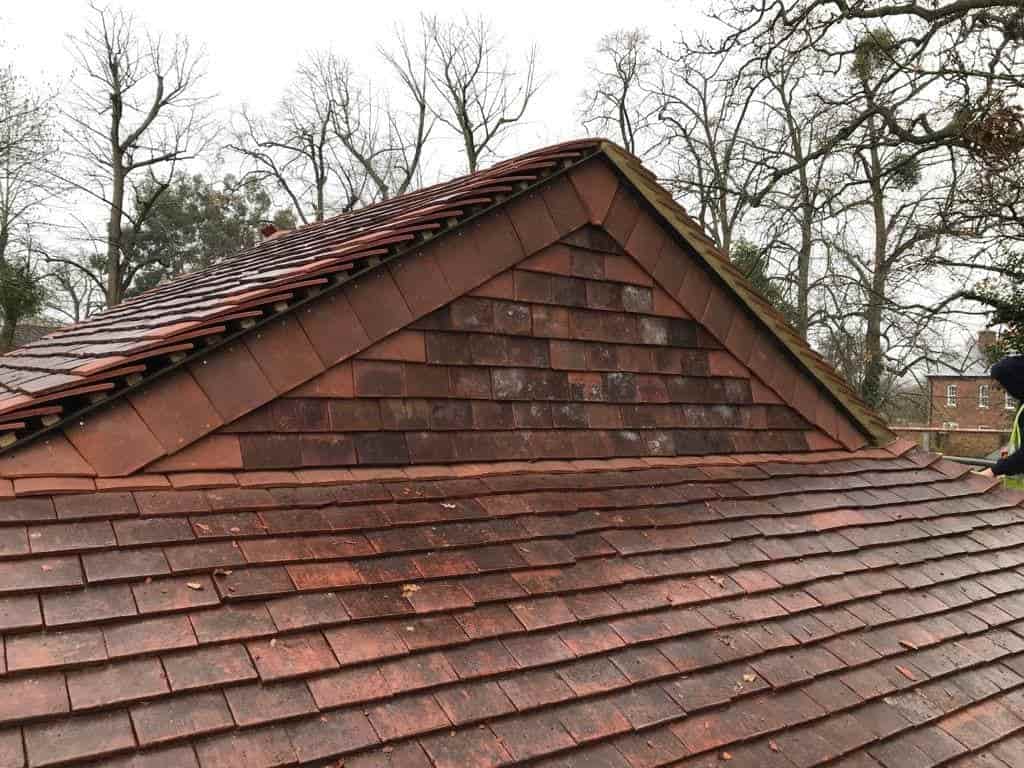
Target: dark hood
{"x":1009,"y":372}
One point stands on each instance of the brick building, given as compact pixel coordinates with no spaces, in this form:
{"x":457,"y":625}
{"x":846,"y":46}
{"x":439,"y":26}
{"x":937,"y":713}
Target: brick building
{"x":970,"y":412}
{"x":516,"y":470}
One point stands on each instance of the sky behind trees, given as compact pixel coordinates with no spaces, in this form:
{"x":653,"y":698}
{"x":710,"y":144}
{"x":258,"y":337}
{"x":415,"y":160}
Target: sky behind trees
{"x":253,"y":48}
{"x":858,"y":159}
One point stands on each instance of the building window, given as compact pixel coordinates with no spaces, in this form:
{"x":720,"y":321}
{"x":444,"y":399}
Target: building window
{"x":983,"y":396}
{"x":1011,"y":404}
{"x":951,"y":395}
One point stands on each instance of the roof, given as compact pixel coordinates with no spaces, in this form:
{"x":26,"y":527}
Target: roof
{"x":49,"y":383}
{"x":775,"y":610}
{"x":551,"y":487}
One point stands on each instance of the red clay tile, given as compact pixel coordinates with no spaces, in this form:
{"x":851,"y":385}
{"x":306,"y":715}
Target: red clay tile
{"x":406,"y":716}
{"x":34,"y":696}
{"x":213,"y":452}
{"x":535,"y":688}
{"x":87,"y":736}
{"x":331,"y":734}
{"x":135,"y":447}
{"x":232,"y":622}
{"x":88,"y":606}
{"x":116,"y":683}
{"x":37,"y":486}
{"x":378,"y":303}
{"x":232,"y":380}
{"x":474,"y":701}
{"x":42,"y":456}
{"x":52,"y":649}
{"x":284,"y":353}
{"x":179,"y":716}
{"x":254,"y":748}
{"x":292,"y":656}
{"x":531,"y":736}
{"x":320,"y":322}
{"x":39,"y":573}
{"x":466,"y":749}
{"x":176,"y":594}
{"x":358,"y":643}
{"x":404,"y":345}
{"x":596,"y":184}
{"x":565,"y":205}
{"x":176,"y":410}
{"x":149,"y":635}
{"x":90,"y":505}
{"x":421,"y":281}
{"x":348,"y":686}
{"x":256,"y":703}
{"x":207,"y":667}
{"x":532,"y":221}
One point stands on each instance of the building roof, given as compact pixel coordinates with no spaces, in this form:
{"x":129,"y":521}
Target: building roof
{"x":706,"y":549}
{"x":50,"y":382}
{"x":781,"y":610}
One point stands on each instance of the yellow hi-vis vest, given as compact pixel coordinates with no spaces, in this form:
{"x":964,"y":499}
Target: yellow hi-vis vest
{"x":1015,"y":481}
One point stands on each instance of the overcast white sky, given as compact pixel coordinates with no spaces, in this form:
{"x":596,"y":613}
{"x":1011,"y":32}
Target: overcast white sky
{"x":253,"y":47}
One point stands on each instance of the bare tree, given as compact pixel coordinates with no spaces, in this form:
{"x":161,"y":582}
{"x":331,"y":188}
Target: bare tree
{"x":621,"y":97}
{"x":483,"y":92}
{"x":291,"y":149}
{"x":28,"y":149}
{"x":134,"y":114}
{"x":794,"y":214}
{"x":381,"y":135}
{"x":957,"y":64}
{"x":335,"y":141}
{"x":75,"y":293}
{"x":707,"y":112}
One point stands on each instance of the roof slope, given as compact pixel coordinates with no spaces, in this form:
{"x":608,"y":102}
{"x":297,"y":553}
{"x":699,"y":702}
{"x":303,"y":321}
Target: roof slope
{"x":776,"y":610}
{"x":50,"y":382}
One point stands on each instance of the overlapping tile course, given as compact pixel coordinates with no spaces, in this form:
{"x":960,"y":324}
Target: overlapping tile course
{"x":787,"y":609}
{"x":552,"y":489}
{"x":574,"y":353}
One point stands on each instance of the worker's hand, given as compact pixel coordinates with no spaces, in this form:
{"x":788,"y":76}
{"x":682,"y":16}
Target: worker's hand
{"x":987,"y":472}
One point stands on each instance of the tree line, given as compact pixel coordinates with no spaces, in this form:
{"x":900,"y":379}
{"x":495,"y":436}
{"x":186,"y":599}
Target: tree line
{"x":860,"y":160}
{"x":118,"y":148}
{"x":865,"y":155}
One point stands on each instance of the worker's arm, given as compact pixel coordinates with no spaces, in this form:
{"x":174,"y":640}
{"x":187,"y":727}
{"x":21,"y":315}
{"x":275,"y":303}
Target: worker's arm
{"x":1011,"y":465}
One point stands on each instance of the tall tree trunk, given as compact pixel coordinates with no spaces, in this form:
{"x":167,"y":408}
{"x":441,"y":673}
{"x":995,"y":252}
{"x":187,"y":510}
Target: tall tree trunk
{"x":803,"y":263}
{"x":803,"y":273}
{"x":871,"y":389}
{"x":114,"y":234}
{"x":7,"y":336}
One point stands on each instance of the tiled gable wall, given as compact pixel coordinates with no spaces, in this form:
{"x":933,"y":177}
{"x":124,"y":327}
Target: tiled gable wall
{"x":575,"y":353}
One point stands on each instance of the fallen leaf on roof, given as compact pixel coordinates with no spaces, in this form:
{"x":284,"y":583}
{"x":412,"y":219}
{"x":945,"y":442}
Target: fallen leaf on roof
{"x":905,"y":672}
{"x":749,"y":677}
{"x":726,"y":756}
{"x":194,"y":585}
{"x":409,"y":589}
{"x":773,"y":746}
{"x":908,"y":644}
{"x":448,"y":505}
